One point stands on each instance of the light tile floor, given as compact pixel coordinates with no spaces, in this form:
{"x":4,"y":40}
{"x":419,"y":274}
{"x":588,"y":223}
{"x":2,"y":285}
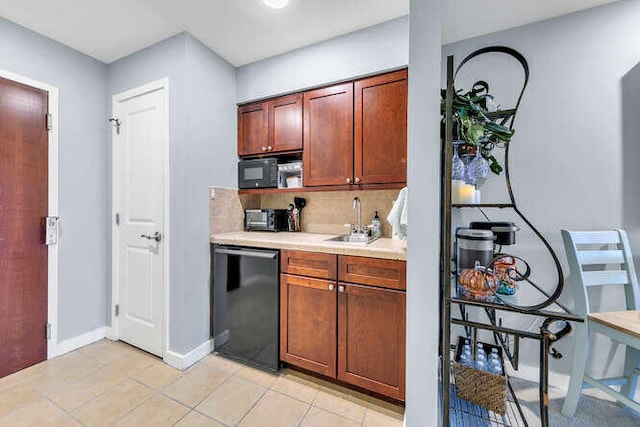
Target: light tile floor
{"x":111,"y":383}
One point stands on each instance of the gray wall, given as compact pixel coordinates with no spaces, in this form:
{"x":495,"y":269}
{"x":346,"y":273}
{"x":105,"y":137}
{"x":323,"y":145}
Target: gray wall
{"x":83,"y":171}
{"x":368,"y":51}
{"x":567,"y":165}
{"x":424,"y":214}
{"x":202,"y":154}
{"x":630,"y":86}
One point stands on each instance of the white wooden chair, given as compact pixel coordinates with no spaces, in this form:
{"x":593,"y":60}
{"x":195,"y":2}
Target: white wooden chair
{"x":608,"y":257}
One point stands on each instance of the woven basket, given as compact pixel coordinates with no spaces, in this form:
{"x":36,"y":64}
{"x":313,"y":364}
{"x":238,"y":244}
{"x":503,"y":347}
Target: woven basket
{"x":480,"y":387}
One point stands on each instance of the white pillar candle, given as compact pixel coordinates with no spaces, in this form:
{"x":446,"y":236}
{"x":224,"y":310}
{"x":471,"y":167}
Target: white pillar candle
{"x":455,"y":190}
{"x":467,"y":194}
{"x":476,"y":198}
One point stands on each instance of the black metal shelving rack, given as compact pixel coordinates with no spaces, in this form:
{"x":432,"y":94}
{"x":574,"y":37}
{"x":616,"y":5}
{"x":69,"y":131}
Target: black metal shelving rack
{"x":457,"y":412}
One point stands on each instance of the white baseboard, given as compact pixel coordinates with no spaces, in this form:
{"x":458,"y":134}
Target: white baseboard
{"x":54,"y":350}
{"x":183,"y":361}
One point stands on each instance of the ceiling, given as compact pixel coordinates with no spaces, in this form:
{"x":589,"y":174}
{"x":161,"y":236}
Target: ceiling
{"x":244,"y":31}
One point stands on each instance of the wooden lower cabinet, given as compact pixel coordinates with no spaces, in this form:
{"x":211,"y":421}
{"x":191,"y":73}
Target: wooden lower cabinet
{"x":352,"y":332}
{"x":371,"y":338}
{"x":308,"y":323}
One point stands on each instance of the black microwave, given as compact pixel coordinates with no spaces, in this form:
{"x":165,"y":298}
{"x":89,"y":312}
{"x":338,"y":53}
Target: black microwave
{"x":258,"y":173}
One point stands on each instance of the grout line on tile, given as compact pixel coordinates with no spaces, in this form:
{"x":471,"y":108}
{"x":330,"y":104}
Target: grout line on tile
{"x":264,"y":393}
{"x":136,"y":407}
{"x":211,"y":418}
{"x":62,"y":409}
{"x":125,"y":377}
{"x":305,"y":413}
{"x":293,"y":397}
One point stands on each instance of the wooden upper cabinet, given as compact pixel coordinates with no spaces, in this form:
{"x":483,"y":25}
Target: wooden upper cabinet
{"x":380,"y":144}
{"x":253,"y":130}
{"x":285,"y":123}
{"x":270,"y":126}
{"x":371,"y":339}
{"x":328,"y":136}
{"x":308,"y":323}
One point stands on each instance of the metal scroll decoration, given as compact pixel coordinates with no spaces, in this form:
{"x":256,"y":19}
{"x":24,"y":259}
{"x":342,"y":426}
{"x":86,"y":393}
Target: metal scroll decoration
{"x":507,"y":119}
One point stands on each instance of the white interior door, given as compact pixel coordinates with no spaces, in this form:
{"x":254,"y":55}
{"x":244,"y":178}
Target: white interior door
{"x":140,"y":139}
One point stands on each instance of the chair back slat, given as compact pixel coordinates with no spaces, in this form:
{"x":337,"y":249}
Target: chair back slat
{"x":595,"y":237}
{"x":600,"y":257}
{"x":608,"y":260}
{"x":610,"y":277}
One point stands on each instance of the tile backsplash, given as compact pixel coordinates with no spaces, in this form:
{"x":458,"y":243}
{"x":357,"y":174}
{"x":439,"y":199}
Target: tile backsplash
{"x":226,"y":209}
{"x":328,"y":211}
{"x":325,"y":211}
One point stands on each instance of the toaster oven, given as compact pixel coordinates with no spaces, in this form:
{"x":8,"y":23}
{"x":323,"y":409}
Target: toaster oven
{"x":266,"y":220}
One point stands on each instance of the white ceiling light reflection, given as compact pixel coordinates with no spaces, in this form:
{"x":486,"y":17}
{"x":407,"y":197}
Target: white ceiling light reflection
{"x":276,"y":4}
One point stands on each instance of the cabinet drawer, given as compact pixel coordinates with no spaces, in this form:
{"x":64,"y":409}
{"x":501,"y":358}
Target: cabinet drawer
{"x":310,"y":264}
{"x":384,"y":273}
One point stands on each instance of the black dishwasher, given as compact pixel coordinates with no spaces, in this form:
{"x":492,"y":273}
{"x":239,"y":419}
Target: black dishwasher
{"x":246,"y":305}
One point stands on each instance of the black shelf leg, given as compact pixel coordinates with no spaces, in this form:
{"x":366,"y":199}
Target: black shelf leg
{"x":545,"y":343}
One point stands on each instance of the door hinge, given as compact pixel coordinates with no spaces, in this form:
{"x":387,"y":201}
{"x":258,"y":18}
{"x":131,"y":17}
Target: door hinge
{"x":47,"y":331}
{"x":49,"y":121}
{"x":117,"y":310}
{"x":52,"y":230}
{"x":117,"y":123}
{"x":117,"y":219}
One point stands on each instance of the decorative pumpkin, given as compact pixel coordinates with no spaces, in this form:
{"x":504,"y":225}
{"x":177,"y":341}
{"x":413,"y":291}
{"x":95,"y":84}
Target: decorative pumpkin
{"x":477,"y":283}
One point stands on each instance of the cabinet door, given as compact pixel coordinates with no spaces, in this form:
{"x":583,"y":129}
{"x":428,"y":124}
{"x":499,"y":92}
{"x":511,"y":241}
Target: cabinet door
{"x":253,"y":130}
{"x":328,"y":136}
{"x":285,"y":123}
{"x":308,"y":323}
{"x":380,"y":143}
{"x":371,"y":338}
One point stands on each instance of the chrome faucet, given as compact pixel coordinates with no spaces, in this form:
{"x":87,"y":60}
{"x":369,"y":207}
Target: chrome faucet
{"x":356,"y":205}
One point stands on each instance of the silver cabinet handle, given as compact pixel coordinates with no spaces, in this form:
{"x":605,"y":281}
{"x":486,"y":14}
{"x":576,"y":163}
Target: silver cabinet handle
{"x":340,"y":288}
{"x":357,"y":180}
{"x":331,"y":287}
{"x":248,"y":253}
{"x":157,"y":236}
{"x":348,"y":180}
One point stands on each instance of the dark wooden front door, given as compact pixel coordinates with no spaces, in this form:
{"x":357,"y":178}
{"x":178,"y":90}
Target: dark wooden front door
{"x":23,"y":208}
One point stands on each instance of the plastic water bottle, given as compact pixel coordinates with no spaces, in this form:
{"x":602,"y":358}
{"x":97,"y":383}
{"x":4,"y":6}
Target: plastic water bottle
{"x":463,"y":359}
{"x":495,"y":363}
{"x":466,"y":351}
{"x":481,"y":356}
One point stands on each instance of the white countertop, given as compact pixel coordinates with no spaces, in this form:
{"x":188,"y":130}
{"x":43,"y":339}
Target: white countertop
{"x":382,"y":248}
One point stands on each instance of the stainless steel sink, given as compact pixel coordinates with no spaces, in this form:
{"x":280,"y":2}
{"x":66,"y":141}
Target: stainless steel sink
{"x":362,"y":239}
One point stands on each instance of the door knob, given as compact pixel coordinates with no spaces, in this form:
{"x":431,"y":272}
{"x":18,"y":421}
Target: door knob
{"x":269,"y":148}
{"x":357,"y":180}
{"x":157,"y":236}
{"x":348,"y":180}
{"x":264,"y":148}
{"x":331,"y":287}
{"x":340,"y":288}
